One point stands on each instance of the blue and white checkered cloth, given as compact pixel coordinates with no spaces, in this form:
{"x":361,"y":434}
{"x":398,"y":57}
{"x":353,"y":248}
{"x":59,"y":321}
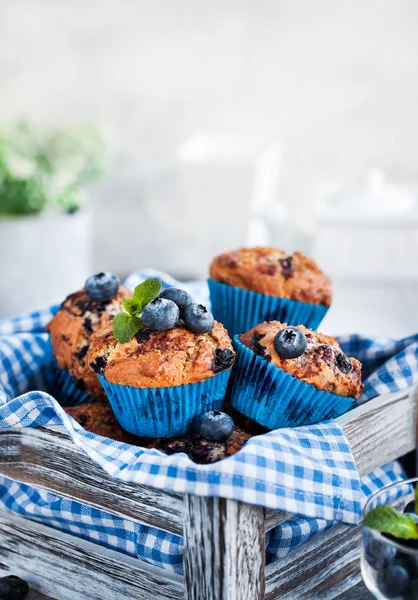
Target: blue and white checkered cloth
{"x":308,"y":471}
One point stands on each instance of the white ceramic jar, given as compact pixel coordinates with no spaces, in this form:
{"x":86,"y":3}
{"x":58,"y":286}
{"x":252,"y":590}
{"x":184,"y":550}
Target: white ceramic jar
{"x":42,"y":259}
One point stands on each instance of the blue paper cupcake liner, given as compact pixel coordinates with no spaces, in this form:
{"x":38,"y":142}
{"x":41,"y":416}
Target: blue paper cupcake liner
{"x":165,"y":412}
{"x":61,"y":385}
{"x":275,"y":399}
{"x":239,"y":310}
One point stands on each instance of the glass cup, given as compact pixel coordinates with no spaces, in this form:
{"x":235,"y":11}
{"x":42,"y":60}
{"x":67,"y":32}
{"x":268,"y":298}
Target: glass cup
{"x":389,"y":567}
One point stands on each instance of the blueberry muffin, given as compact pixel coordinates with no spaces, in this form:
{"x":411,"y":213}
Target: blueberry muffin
{"x":162,"y":363}
{"x":251,"y":285}
{"x":291,"y":376}
{"x":98,"y":417}
{"x":81,"y":315}
{"x":203,"y":451}
{"x":322,"y":362}
{"x":274,"y":272}
{"x":161,"y":359}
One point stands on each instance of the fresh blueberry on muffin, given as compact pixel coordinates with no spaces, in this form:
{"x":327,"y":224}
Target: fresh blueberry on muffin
{"x":81,"y":315}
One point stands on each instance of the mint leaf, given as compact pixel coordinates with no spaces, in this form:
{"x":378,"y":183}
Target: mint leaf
{"x":127,"y":324}
{"x":125,"y":327}
{"x":388,"y":520}
{"x":146,"y":292}
{"x":131,"y":306}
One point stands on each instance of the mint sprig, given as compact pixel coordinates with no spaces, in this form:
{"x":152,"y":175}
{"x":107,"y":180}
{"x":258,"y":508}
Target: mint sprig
{"x":127,"y":324}
{"x":387,"y":519}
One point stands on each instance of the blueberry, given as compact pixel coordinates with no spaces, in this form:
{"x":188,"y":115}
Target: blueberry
{"x":394,"y":581}
{"x":408,"y":562}
{"x":179,"y":297}
{"x":13,"y":588}
{"x":410,"y":507}
{"x":197,"y":318}
{"x":215,"y":426}
{"x":160,"y":314}
{"x":379,"y":554}
{"x":223,"y":358}
{"x":102,"y":286}
{"x":290,"y":343}
{"x":344,"y":363}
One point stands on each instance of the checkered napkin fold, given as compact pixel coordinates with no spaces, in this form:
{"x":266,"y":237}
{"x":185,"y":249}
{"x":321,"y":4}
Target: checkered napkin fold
{"x":309,"y":471}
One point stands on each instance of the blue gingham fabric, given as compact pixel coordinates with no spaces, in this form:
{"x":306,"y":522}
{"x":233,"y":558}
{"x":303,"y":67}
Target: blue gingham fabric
{"x":308,"y":471}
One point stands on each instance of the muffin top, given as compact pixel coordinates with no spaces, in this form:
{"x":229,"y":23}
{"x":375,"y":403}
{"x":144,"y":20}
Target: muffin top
{"x":153,"y":359}
{"x":71,"y":329}
{"x":321,"y":363}
{"x":273,"y":272}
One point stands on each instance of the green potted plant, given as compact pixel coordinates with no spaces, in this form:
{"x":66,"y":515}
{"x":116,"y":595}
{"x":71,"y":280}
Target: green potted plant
{"x":45,"y":230}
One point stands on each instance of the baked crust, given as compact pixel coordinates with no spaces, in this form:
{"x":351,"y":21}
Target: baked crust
{"x":154,"y":359}
{"x":204,"y":451}
{"x":318,"y":365}
{"x":71,"y":330}
{"x":273,"y":272}
{"x":98,"y":417}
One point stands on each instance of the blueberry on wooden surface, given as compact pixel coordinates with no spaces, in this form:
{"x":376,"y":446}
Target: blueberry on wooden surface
{"x":13,"y":588}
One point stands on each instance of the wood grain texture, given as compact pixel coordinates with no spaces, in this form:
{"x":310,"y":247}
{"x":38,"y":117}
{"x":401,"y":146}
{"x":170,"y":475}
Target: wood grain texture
{"x":224,"y":553}
{"x":49,"y":460}
{"x":358,"y":592}
{"x":322,"y":568}
{"x":59,"y":565}
{"x":382,"y":430}
{"x":275,"y":517}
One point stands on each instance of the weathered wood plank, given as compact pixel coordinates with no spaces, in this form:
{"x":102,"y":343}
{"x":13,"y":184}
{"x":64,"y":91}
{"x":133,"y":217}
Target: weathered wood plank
{"x":322,"y":568}
{"x":325,"y":567}
{"x":358,"y":592}
{"x":382,"y":430}
{"x":59,"y":565}
{"x":224,"y":553}
{"x":49,"y":460}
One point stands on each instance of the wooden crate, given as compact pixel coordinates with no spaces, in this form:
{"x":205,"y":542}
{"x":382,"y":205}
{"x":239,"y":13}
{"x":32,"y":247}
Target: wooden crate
{"x":224,"y":540}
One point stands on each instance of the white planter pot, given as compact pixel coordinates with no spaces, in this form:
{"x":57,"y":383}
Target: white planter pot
{"x":42,"y":260}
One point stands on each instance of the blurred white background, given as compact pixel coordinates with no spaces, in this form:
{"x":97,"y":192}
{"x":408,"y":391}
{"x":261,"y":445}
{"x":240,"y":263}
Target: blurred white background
{"x":333,"y":83}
